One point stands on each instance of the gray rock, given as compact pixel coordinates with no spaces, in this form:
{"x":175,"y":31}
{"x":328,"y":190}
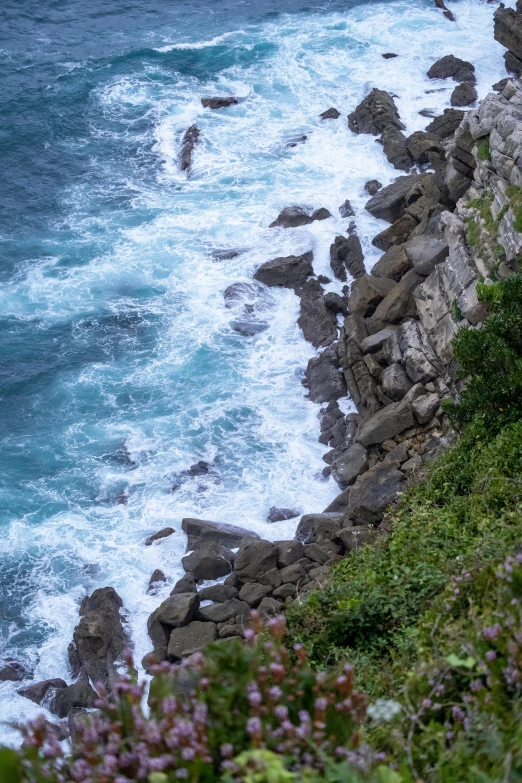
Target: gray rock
{"x":395,"y":147}
{"x":220,"y":613}
{"x":373,"y":492}
{"x":324,"y":380}
{"x":425,"y":252}
{"x":293,"y":574}
{"x":389,"y":202}
{"x":288,"y":552}
{"x":188,"y":143}
{"x":393,"y":264}
{"x":192,"y":637}
{"x":355,"y":537}
{"x":447,"y":123}
{"x":387,"y":423}
{"x":339,"y":504}
{"x":372,"y":187}
{"x":218,"y":593}
{"x":219,"y":102}
{"x":330,"y":114}
{"x":464,"y":95}
{"x":419,"y":361}
{"x":248,"y":328}
{"x":397,"y":303}
{"x":253,"y":559}
{"x":269,"y":607}
{"x":271,"y":578}
{"x":208,"y":561}
{"x":156,"y":580}
{"x":292,"y":217}
{"x":394,"y":381}
{"x":375,"y":342}
{"x":346,"y":254}
{"x":367,"y":292}
{"x":349,"y":465}
{"x":167,"y":531}
{"x":322,"y":551}
{"x":78,"y":695}
{"x":280,"y":514}
{"x":346,"y":209}
{"x":422,"y":145}
{"x":187,"y":584}
{"x":459,"y":70}
{"x":285,"y":591}
{"x":310,"y":524}
{"x":374,"y":114}
{"x":42,"y":693}
{"x":424,"y":407}
{"x":335,"y":303}
{"x":178,"y":610}
{"x":319,"y":324}
{"x":13,"y":671}
{"x":214,"y":532}
{"x":289,"y":272}
{"x":254,"y":593}
{"x":398,"y":233}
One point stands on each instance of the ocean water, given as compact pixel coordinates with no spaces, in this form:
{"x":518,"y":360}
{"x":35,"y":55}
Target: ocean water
{"x":119,"y":368}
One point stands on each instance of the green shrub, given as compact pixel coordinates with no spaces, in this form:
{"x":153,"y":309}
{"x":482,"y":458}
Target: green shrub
{"x":483,"y":150}
{"x":491,"y":359}
{"x":514,"y":193}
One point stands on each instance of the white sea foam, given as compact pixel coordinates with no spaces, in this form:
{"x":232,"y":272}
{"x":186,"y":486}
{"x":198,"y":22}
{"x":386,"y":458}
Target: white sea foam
{"x":206,"y":393}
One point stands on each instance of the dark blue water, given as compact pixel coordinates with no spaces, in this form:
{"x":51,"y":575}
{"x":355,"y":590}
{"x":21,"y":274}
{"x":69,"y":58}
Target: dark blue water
{"x":118,"y":365}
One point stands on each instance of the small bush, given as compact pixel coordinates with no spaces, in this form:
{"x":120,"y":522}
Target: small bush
{"x":483,"y":150}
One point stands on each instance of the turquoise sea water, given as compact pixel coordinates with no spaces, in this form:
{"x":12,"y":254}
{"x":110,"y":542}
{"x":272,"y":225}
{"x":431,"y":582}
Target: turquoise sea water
{"x":119,"y":368}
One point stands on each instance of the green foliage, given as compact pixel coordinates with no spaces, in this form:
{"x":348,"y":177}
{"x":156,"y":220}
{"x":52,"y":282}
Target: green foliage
{"x":514,"y":193}
{"x":9,"y":766}
{"x":483,"y":150}
{"x":491,"y":359}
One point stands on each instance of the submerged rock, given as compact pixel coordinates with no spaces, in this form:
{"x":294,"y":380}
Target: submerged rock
{"x":330,"y":114}
{"x":292,"y":217}
{"x":164,"y":533}
{"x":219,"y":102}
{"x":188,"y":142}
{"x":280,"y":514}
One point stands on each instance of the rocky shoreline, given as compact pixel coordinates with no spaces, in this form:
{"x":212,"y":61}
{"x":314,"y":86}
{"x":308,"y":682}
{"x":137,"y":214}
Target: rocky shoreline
{"x":385,"y":343}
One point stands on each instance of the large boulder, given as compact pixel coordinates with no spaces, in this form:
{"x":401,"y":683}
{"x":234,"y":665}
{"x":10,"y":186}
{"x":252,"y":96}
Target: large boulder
{"x":99,"y":638}
{"x":394,"y":381}
{"x":42,"y":693}
{"x":218,"y":593}
{"x":324,"y":380}
{"x":208,"y":561}
{"x":508,"y":32}
{"x":389,"y":202}
{"x":396,"y":234}
{"x":393,"y":264}
{"x":78,"y":695}
{"x":253,"y":559}
{"x":390,"y":421}
{"x":357,"y":536}
{"x":397,"y":303}
{"x":336,"y":303}
{"x":13,"y":671}
{"x":289,"y":272}
{"x":459,"y":70}
{"x":447,"y":123}
{"x":178,"y":610}
{"x":198,"y":530}
{"x":423,"y":146}
{"x":367,"y":292}
{"x":254,"y":592}
{"x":292,"y":217}
{"x":395,"y":147}
{"x":350,"y":464}
{"x":281,"y":514}
{"x":377,"y":114}
{"x":188,"y":142}
{"x":425,"y":252}
{"x":194,"y":636}
{"x":346,"y":254}
{"x":289,"y":552}
{"x":373,"y":492}
{"x":464,"y":95}
{"x":319,"y":324}
{"x":315,"y":527}
{"x":220,"y":613}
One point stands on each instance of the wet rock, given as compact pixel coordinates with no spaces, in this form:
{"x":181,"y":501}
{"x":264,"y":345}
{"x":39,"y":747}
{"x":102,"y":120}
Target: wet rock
{"x":200,"y":468}
{"x":372,"y":187}
{"x":340,"y":503}
{"x":226,"y":255}
{"x":100,"y":638}
{"x":425,"y":252}
{"x":335,"y":303}
{"x":288,"y":552}
{"x":157,"y":579}
{"x":202,"y":530}
{"x":324,"y":379}
{"x":330,"y":114}
{"x":346,"y":209}
{"x":447,"y":13}
{"x":78,"y":695}
{"x":394,"y":381}
{"x":346,"y":254}
{"x":188,"y":143}
{"x":389,"y":55}
{"x":178,"y":610}
{"x":422,"y":145}
{"x":187,"y":584}
{"x":248,"y":328}
{"x":319,"y":324}
{"x":289,"y":272}
{"x":209,"y":561}
{"x":192,"y":637}
{"x":367,"y":292}
{"x":375,"y":113}
{"x":242,"y":293}
{"x":389,"y":202}
{"x":218,"y":593}
{"x":292,"y":217}
{"x":373,"y":492}
{"x":280,"y":514}
{"x":218,"y":102}
{"x":464,"y":95}
{"x":254,"y":593}
{"x":295,"y":141}
{"x":447,"y":123}
{"x":42,"y":693}
{"x":220,"y":613}
{"x":350,"y":464}
{"x":253,"y":559}
{"x":395,"y":147}
{"x":13,"y":671}
{"x":451,"y":66}
{"x":164,"y":533}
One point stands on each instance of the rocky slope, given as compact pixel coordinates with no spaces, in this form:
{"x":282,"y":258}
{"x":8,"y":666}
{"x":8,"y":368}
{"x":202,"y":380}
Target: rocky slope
{"x":455,"y":218}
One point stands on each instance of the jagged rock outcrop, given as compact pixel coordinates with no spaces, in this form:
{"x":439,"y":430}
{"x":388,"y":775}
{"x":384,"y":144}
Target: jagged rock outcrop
{"x":508,"y":32}
{"x":378,"y":115}
{"x":188,"y":143}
